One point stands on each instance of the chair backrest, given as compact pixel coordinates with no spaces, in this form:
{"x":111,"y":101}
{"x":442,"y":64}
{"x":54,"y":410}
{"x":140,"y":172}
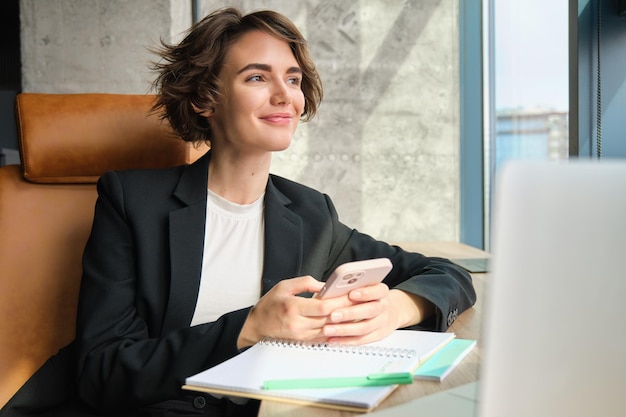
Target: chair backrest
{"x":46,"y":209}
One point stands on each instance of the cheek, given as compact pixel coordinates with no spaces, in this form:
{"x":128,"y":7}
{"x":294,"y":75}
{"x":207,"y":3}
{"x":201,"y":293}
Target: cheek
{"x":298,"y":102}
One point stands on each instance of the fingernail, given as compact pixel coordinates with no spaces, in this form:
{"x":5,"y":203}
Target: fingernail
{"x":336,"y":316}
{"x":356,"y":295}
{"x":329,"y":331}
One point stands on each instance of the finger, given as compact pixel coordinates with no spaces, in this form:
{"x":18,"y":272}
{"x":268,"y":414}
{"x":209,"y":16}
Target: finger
{"x":305,"y":333}
{"x":314,"y":307}
{"x":300,"y":285}
{"x":360,"y":311}
{"x":302,"y":329}
{"x":355,"y":329}
{"x":369,"y":293}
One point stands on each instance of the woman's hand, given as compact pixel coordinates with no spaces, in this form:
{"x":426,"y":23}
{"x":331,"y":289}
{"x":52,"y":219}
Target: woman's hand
{"x":364,"y":315}
{"x":282,"y":314}
{"x":375,"y":313}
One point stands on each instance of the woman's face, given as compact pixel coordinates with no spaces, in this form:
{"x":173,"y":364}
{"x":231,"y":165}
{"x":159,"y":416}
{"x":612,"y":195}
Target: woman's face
{"x":261,"y":100}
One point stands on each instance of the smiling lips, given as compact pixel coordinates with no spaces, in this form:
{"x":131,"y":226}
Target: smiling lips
{"x":278,"y":118}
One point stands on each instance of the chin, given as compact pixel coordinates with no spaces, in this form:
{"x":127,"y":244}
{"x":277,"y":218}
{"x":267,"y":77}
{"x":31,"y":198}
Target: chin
{"x":281,"y":145}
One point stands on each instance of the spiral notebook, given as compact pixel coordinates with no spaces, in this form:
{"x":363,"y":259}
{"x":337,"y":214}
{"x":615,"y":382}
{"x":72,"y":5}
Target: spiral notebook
{"x":245,"y":374}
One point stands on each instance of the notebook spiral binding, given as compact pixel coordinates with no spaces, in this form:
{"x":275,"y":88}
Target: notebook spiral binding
{"x":334,"y":347}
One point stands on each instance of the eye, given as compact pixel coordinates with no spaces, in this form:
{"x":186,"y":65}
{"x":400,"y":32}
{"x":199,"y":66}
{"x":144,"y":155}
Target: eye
{"x":294,"y":80}
{"x":255,"y":78}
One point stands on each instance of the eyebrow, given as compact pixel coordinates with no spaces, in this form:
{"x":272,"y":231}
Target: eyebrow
{"x":268,"y":68}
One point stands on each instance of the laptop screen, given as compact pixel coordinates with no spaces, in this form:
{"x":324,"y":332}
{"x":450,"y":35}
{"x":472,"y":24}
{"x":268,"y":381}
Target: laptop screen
{"x":554,"y":336}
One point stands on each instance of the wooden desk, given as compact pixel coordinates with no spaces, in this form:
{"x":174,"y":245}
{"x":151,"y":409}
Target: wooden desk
{"x":467,"y":326}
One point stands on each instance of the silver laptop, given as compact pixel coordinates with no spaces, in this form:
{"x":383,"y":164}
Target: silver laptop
{"x":554,"y":336}
{"x":554,"y":333}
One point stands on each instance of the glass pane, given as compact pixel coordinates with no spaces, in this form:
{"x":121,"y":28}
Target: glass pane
{"x":529,"y":61}
{"x":528,"y":87}
{"x":530,"y":80}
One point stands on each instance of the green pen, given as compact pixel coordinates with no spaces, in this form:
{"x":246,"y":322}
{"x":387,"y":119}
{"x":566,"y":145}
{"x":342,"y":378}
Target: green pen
{"x":372,"y":380}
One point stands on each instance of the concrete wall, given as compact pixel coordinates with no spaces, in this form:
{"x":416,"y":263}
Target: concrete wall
{"x":385,"y":143}
{"x":95,"y":45}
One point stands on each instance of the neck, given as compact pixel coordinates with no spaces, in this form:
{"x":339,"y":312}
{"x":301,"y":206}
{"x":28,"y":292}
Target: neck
{"x":239,"y":180}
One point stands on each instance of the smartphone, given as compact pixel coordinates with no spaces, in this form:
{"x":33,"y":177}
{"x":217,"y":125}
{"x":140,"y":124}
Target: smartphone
{"x":353,"y":275}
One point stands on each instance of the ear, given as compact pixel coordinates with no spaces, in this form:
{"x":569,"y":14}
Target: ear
{"x":202,"y":112}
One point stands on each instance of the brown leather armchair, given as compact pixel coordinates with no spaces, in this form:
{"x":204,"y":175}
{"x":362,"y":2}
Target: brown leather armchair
{"x":46,"y":208}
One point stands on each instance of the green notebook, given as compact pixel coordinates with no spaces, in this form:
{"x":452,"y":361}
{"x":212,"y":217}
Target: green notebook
{"x":437,"y":367}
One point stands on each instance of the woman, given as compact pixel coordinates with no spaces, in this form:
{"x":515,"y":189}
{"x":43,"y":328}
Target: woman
{"x":185,"y":267}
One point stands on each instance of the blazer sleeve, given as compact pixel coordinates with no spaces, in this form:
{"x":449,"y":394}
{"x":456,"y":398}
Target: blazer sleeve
{"x":123,"y":359}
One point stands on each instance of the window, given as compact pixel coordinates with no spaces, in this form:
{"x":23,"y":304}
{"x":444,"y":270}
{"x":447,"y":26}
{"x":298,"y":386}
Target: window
{"x":527,"y":109}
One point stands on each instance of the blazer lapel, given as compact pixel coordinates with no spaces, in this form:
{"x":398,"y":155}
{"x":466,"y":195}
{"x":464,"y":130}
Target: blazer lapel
{"x":187,"y":245}
{"x":283,"y":239}
{"x":283,"y":243}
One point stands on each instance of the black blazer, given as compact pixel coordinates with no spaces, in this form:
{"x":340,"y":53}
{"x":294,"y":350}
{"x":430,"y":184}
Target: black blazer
{"x":142,"y":267}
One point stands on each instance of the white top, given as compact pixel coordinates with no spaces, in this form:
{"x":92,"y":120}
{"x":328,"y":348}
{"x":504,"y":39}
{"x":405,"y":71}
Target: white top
{"x":233,"y":258}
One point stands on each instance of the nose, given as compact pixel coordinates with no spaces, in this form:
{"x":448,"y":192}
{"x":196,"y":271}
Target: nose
{"x":281,"y":94}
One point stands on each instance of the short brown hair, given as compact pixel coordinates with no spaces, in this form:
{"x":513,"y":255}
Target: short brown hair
{"x":188,"y":72}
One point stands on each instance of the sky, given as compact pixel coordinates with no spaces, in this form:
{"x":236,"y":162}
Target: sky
{"x":531,"y":54}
